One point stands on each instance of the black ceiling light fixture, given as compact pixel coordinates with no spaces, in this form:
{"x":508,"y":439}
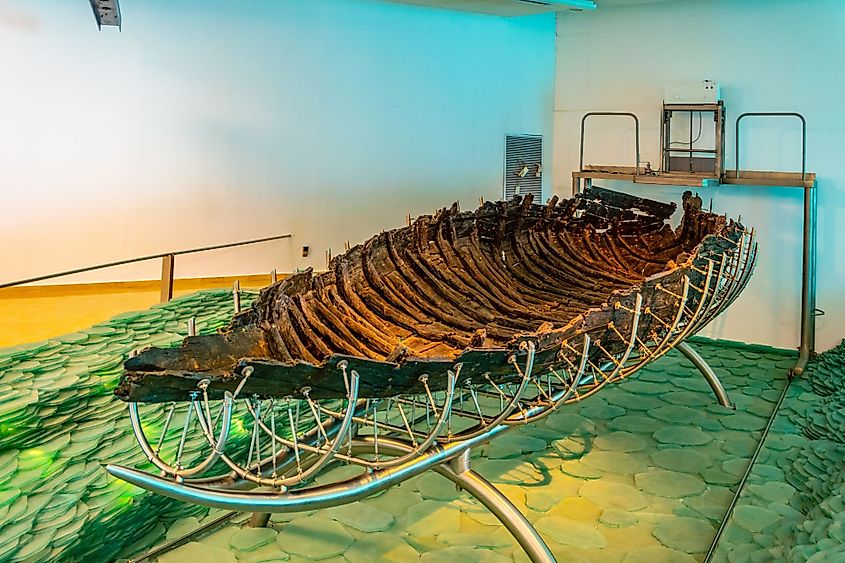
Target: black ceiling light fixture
{"x":106,"y":12}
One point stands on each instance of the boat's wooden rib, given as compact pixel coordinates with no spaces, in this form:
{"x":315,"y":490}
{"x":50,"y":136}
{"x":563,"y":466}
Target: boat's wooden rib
{"x":470,"y":288}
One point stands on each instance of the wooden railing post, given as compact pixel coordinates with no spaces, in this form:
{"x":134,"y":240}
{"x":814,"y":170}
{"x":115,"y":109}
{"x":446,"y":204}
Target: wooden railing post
{"x":167,"y":277}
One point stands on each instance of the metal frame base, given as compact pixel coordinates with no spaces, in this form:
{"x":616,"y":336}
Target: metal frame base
{"x":459,"y":472}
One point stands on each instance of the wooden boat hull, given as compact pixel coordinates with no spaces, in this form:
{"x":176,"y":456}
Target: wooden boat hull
{"x":600,"y":281}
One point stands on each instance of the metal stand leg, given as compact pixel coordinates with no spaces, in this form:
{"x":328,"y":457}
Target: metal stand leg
{"x":808,"y":283}
{"x":707,"y":372}
{"x":259,"y":520}
{"x":497,"y":503}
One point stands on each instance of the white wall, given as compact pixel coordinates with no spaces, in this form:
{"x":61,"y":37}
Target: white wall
{"x":208,"y":121}
{"x":769,"y":55}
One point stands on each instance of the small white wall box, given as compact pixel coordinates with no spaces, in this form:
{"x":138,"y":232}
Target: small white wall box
{"x":703,"y":92}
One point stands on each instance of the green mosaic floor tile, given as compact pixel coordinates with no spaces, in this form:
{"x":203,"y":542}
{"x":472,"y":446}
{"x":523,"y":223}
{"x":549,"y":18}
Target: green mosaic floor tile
{"x":8,"y":548}
{"x":573,"y":447}
{"x":196,"y":551}
{"x":744,"y":422}
{"x":670,"y":484}
{"x":498,"y":537}
{"x":620,"y":442}
{"x":613,"y":518}
{"x":755,"y":518}
{"x":381,"y":547}
{"x":571,"y":532}
{"x":773,"y":491}
{"x":364,"y":517}
{"x":697,"y":385}
{"x":602,"y":412}
{"x":435,"y":487}
{"x":635,"y":423}
{"x":250,"y":539}
{"x":658,"y":554}
{"x":431,"y":518}
{"x":711,"y":504}
{"x":640,"y":387}
{"x":340,"y":473}
{"x":613,"y":462}
{"x":12,"y":532}
{"x":516,"y":471}
{"x":568,"y":424}
{"x":514,"y":444}
{"x":631,"y":402}
{"x":678,"y":414}
{"x":687,"y":535}
{"x":682,"y":436}
{"x":461,"y":554}
{"x":612,"y":495}
{"x":17,"y":509}
{"x":648,"y":374}
{"x":575,"y":468}
{"x":681,"y":459}
{"x":540,"y":500}
{"x":688,"y":399}
{"x":396,"y":500}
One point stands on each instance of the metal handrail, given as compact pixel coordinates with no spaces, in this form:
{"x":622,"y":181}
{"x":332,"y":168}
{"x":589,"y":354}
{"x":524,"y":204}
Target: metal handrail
{"x":141,"y":259}
{"x":612,"y":113}
{"x":776,"y":114}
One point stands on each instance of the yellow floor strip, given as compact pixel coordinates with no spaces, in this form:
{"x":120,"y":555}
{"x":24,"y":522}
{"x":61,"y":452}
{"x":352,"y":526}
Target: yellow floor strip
{"x":35,"y":313}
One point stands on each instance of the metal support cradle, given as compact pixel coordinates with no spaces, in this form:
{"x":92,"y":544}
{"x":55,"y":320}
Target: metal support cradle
{"x":261,"y":455}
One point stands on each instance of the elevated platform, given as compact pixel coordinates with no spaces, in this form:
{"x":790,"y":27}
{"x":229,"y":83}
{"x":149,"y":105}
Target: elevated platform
{"x":642,"y":175}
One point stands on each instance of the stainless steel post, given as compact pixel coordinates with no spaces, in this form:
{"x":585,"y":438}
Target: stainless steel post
{"x":808,"y":280}
{"x":707,"y":372}
{"x":259,"y":520}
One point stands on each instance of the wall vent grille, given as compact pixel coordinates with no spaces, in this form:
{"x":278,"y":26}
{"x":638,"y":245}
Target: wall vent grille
{"x":524,"y":166}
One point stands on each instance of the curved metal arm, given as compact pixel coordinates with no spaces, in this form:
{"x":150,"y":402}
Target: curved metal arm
{"x":514,"y":402}
{"x":708,"y":373}
{"x":217,"y":445}
{"x":776,"y":114}
{"x":562,"y":397}
{"x":612,"y":113}
{"x":418,"y":448}
{"x":326,"y":453}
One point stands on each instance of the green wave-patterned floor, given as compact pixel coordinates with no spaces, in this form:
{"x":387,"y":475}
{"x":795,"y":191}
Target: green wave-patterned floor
{"x":793,"y":508}
{"x":59,"y":426}
{"x":644,"y":471}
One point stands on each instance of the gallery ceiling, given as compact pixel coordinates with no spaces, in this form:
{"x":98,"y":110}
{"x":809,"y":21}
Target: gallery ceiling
{"x":525,"y":7}
{"x":506,"y":7}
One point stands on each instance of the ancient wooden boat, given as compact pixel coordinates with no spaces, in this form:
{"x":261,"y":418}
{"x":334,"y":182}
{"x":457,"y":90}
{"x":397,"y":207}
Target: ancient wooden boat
{"x":598,"y":285}
{"x":423,"y":343}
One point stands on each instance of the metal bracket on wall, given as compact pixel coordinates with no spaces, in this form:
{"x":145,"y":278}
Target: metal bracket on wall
{"x":106,"y":12}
